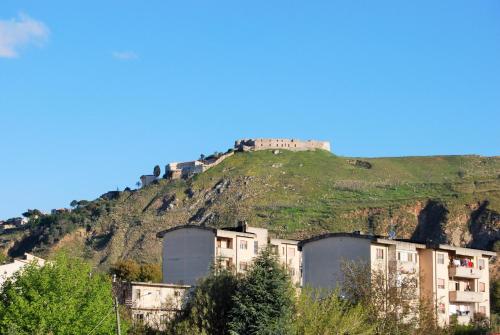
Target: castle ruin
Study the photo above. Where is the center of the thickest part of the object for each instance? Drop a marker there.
(280, 143)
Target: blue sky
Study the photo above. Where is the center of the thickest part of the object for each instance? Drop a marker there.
(94, 94)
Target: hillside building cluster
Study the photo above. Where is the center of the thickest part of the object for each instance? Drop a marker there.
(455, 279)
(178, 170)
(189, 251)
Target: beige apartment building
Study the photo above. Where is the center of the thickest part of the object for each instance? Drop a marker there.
(151, 304)
(190, 251)
(455, 279)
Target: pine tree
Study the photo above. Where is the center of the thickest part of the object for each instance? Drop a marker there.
(264, 299)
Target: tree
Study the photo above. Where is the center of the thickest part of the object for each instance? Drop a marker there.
(126, 270)
(263, 303)
(130, 270)
(208, 306)
(391, 299)
(62, 297)
(150, 272)
(32, 213)
(73, 203)
(325, 313)
(157, 171)
(495, 296)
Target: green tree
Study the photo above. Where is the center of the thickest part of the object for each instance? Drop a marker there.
(208, 306)
(264, 299)
(495, 296)
(325, 313)
(62, 297)
(157, 171)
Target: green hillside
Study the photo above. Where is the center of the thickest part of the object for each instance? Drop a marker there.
(453, 199)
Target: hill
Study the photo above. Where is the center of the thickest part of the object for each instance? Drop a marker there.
(454, 199)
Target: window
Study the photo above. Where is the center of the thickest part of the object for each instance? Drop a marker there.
(243, 266)
(139, 317)
(274, 249)
(440, 258)
(291, 252)
(482, 287)
(482, 309)
(457, 286)
(282, 250)
(480, 263)
(441, 283)
(243, 245)
(137, 294)
(410, 257)
(380, 253)
(255, 247)
(291, 271)
(399, 256)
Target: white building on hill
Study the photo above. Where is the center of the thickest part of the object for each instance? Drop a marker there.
(8, 270)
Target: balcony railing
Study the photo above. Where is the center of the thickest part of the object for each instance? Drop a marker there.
(224, 252)
(466, 296)
(465, 272)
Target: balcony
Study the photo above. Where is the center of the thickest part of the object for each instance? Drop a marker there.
(466, 296)
(465, 272)
(225, 252)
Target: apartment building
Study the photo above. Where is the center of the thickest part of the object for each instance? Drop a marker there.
(455, 279)
(151, 304)
(288, 253)
(190, 251)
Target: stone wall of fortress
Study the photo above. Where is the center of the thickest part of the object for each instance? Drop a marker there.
(280, 143)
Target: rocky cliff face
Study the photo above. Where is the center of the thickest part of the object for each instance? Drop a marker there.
(452, 200)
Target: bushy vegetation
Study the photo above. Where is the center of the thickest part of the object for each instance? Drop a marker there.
(129, 270)
(63, 297)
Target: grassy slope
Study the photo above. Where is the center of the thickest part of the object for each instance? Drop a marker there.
(297, 195)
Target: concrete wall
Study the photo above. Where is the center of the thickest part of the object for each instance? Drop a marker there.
(147, 179)
(188, 254)
(322, 259)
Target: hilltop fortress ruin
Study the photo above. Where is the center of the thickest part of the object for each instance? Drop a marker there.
(280, 143)
(184, 170)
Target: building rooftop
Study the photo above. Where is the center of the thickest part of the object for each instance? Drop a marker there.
(238, 229)
(167, 285)
(386, 240)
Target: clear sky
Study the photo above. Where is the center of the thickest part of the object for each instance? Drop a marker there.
(94, 94)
